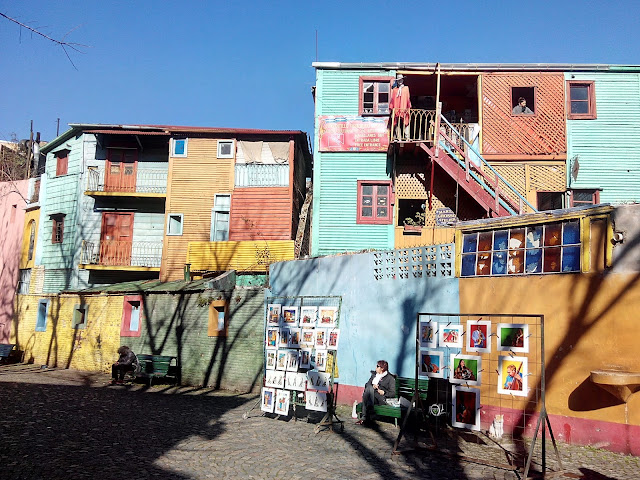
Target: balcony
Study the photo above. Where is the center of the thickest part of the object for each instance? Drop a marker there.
(422, 126)
(119, 255)
(140, 183)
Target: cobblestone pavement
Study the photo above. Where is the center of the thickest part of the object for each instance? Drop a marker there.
(65, 424)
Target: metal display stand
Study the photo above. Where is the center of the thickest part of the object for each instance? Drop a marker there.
(491, 393)
(330, 420)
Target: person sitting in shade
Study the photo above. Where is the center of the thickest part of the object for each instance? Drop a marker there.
(521, 108)
(127, 362)
(381, 385)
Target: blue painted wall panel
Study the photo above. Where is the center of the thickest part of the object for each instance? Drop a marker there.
(377, 319)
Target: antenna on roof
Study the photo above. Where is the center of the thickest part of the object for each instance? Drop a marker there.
(316, 44)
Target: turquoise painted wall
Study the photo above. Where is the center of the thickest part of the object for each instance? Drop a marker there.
(334, 227)
(608, 148)
(378, 317)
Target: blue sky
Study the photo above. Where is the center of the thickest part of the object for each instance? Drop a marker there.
(248, 64)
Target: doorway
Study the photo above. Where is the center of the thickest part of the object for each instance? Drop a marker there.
(116, 239)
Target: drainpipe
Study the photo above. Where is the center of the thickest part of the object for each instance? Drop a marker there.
(187, 272)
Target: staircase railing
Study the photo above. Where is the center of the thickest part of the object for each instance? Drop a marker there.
(451, 145)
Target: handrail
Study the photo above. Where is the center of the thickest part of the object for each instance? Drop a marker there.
(148, 180)
(420, 128)
(485, 163)
(120, 253)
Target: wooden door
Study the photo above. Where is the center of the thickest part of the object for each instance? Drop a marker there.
(116, 239)
(120, 171)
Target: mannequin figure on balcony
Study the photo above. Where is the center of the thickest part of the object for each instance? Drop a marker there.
(400, 104)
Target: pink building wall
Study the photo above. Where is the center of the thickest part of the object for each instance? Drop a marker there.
(12, 203)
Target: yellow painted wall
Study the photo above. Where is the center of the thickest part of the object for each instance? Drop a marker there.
(428, 236)
(254, 256)
(92, 349)
(192, 184)
(591, 323)
(24, 252)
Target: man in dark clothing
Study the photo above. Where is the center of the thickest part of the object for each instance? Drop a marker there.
(126, 363)
(381, 385)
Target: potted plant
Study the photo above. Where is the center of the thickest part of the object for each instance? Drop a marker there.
(414, 224)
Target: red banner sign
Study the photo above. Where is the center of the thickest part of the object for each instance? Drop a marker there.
(353, 134)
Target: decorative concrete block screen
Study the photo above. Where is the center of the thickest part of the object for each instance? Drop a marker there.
(414, 262)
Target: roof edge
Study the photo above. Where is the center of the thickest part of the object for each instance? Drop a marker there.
(480, 67)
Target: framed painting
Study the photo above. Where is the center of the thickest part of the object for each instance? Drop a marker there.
(290, 316)
(268, 397)
(320, 338)
(283, 338)
(431, 364)
(308, 316)
(513, 337)
(318, 381)
(273, 334)
(307, 337)
(321, 360)
(466, 407)
(270, 359)
(305, 358)
(293, 360)
(316, 401)
(478, 336)
(281, 360)
(294, 338)
(274, 378)
(332, 339)
(465, 369)
(282, 402)
(450, 336)
(296, 381)
(328, 317)
(512, 375)
(428, 334)
(273, 314)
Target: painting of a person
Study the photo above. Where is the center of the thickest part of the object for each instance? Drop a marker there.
(381, 385)
(478, 339)
(514, 378)
(427, 366)
(463, 372)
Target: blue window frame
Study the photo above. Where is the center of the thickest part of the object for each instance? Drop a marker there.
(43, 313)
(179, 147)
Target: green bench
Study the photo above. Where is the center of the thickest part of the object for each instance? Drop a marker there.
(155, 366)
(404, 388)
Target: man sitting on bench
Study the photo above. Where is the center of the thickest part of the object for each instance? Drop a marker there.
(126, 363)
(381, 385)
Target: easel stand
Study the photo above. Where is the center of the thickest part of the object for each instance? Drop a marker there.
(330, 418)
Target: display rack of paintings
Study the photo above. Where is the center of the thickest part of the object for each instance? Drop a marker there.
(302, 336)
(483, 369)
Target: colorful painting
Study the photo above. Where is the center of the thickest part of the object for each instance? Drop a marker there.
(273, 314)
(283, 338)
(328, 317)
(272, 337)
(431, 364)
(268, 396)
(282, 402)
(428, 335)
(308, 316)
(321, 338)
(513, 375)
(270, 361)
(294, 338)
(307, 337)
(290, 316)
(466, 407)
(513, 337)
(305, 358)
(281, 360)
(465, 369)
(321, 360)
(479, 336)
(332, 339)
(450, 336)
(293, 360)
(316, 401)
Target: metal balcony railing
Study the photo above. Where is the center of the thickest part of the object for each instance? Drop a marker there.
(146, 181)
(122, 254)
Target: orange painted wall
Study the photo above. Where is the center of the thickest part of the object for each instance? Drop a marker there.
(590, 323)
(261, 213)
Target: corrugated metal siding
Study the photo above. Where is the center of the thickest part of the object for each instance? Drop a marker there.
(334, 227)
(608, 148)
(260, 213)
(193, 183)
(148, 227)
(248, 256)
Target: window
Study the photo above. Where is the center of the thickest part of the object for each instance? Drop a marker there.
(43, 312)
(220, 218)
(218, 318)
(131, 316)
(584, 197)
(226, 149)
(581, 100)
(24, 280)
(32, 239)
(549, 248)
(80, 313)
(62, 162)
(374, 95)
(174, 224)
(179, 147)
(550, 200)
(529, 96)
(411, 208)
(57, 234)
(375, 200)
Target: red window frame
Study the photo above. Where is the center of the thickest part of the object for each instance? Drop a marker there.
(376, 81)
(591, 100)
(595, 196)
(375, 220)
(127, 308)
(62, 162)
(57, 232)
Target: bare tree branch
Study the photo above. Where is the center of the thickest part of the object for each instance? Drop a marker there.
(62, 43)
